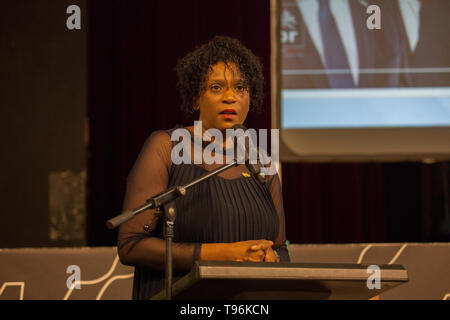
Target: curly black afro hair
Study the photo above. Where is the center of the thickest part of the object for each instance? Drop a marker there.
(193, 69)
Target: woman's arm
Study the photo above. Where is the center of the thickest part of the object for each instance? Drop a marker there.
(274, 184)
(149, 176)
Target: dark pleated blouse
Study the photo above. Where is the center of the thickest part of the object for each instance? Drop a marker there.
(217, 210)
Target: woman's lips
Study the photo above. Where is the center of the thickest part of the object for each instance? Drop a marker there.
(228, 113)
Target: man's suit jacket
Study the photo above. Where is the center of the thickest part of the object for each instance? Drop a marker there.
(433, 47)
(385, 48)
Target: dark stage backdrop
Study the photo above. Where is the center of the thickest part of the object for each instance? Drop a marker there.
(133, 47)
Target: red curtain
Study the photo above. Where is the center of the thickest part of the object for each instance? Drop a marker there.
(334, 203)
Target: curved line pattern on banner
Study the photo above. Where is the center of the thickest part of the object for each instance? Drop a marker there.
(111, 280)
(100, 279)
(13, 284)
(398, 253)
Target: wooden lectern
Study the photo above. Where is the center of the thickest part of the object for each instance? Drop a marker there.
(219, 280)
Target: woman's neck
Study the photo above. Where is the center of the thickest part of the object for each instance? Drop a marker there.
(227, 141)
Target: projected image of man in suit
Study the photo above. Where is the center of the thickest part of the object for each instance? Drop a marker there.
(327, 44)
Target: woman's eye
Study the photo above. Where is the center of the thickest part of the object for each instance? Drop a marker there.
(241, 89)
(215, 87)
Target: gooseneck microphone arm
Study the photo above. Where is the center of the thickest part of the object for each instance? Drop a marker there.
(249, 148)
(164, 203)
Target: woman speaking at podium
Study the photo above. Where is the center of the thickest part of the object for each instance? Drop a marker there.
(231, 216)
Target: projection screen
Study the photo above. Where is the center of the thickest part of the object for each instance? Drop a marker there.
(361, 80)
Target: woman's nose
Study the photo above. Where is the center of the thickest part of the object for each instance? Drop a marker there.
(229, 96)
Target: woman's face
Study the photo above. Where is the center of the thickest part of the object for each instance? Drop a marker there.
(225, 99)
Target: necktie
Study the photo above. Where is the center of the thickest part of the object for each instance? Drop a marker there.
(334, 52)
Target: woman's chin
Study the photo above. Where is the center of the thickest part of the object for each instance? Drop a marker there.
(222, 125)
(227, 124)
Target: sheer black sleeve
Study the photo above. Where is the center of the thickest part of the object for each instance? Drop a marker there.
(274, 185)
(137, 245)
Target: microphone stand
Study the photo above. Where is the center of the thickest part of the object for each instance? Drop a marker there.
(164, 203)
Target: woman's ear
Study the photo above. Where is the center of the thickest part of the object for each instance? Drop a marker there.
(196, 104)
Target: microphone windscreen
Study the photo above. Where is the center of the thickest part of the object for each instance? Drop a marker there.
(239, 126)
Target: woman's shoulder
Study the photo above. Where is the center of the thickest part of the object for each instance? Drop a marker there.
(158, 136)
(164, 134)
(161, 140)
(158, 141)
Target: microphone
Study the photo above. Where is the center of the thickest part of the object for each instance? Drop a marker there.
(249, 148)
(127, 215)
